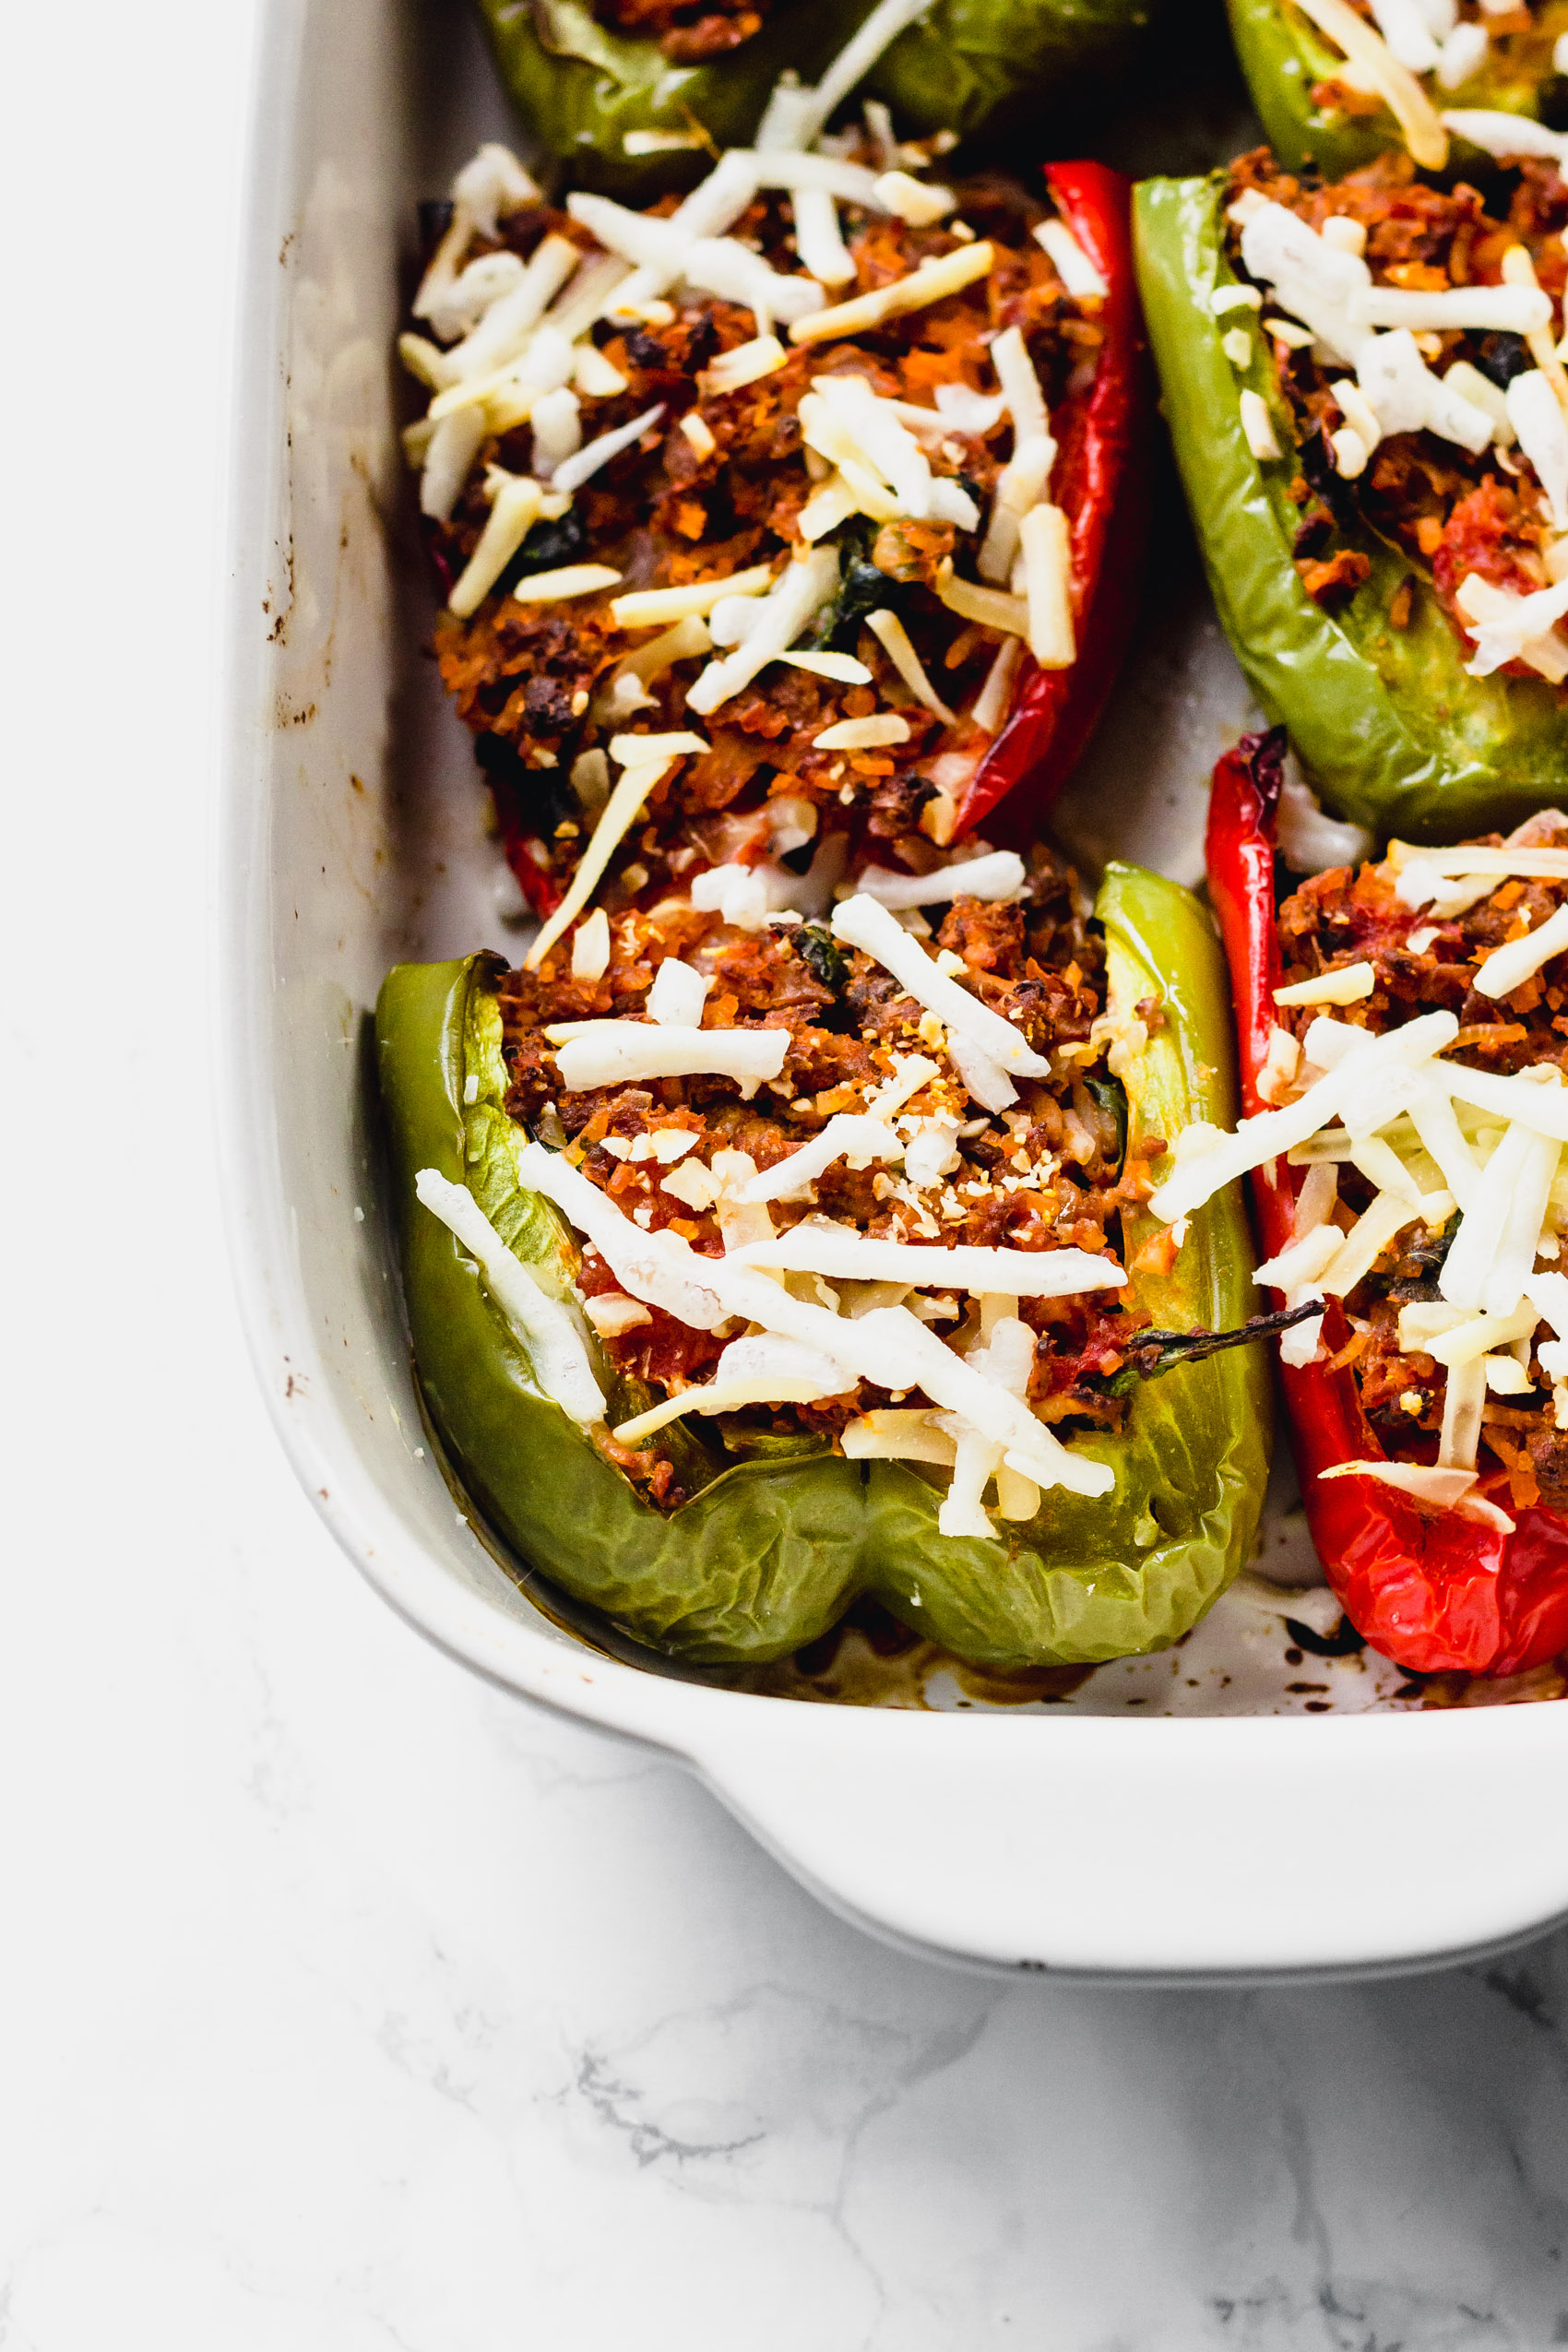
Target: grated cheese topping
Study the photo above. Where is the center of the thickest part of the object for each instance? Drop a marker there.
(930, 282)
(861, 922)
(1392, 1105)
(553, 1344)
(609, 1053)
(817, 1246)
(1395, 84)
(998, 877)
(887, 1347)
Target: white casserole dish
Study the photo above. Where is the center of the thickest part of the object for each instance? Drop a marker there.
(1227, 1834)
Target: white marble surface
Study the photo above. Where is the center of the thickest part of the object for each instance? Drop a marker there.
(349, 2007)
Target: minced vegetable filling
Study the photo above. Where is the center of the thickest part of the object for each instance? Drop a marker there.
(1461, 499)
(1047, 1173)
(1422, 961)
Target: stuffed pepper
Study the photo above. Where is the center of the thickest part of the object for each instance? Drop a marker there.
(633, 92)
(1370, 417)
(761, 1256)
(1337, 81)
(1404, 1026)
(882, 438)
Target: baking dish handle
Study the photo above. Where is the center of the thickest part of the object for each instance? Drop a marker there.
(1054, 1845)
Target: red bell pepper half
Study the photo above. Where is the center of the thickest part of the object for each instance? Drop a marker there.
(1101, 481)
(1435, 1591)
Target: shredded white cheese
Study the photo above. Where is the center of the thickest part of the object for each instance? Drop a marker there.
(1510, 966)
(746, 364)
(761, 1371)
(570, 580)
(1000, 875)
(989, 606)
(608, 1053)
(931, 282)
(1425, 1483)
(590, 947)
(1349, 985)
(1394, 83)
(894, 639)
(550, 1338)
(1258, 426)
(856, 1138)
(1072, 266)
(653, 608)
(575, 470)
(621, 812)
(1504, 134)
(678, 994)
(515, 508)
(888, 1346)
(1536, 415)
(1508, 310)
(815, 1246)
(861, 923)
(880, 728)
(1045, 543)
(796, 596)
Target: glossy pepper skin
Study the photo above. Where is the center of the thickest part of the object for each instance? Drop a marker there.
(1390, 730)
(1433, 1590)
(768, 1553)
(968, 65)
(1101, 481)
(1283, 55)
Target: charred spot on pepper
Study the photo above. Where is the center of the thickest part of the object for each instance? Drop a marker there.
(1323, 477)
(1312, 533)
(1110, 1095)
(1150, 1353)
(1420, 1264)
(534, 800)
(822, 955)
(678, 350)
(1501, 356)
(547, 546)
(433, 215)
(862, 590)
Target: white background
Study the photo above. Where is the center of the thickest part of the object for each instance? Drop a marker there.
(345, 2006)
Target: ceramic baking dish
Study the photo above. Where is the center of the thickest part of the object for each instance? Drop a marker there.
(1195, 1816)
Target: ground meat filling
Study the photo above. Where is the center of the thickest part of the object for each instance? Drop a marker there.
(1423, 964)
(718, 487)
(1448, 512)
(1048, 1173)
(688, 31)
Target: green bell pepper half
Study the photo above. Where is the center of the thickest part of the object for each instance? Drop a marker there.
(965, 65)
(768, 1551)
(1386, 722)
(1284, 55)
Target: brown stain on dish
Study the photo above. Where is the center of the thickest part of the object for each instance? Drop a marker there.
(871, 1660)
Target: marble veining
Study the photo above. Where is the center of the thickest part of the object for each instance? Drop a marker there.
(356, 2005)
